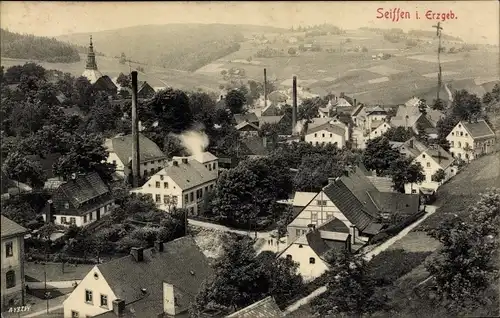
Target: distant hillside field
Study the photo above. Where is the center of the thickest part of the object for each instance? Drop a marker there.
(23, 46)
(176, 46)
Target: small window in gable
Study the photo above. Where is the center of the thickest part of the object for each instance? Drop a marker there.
(423, 156)
(289, 257)
(66, 205)
(312, 260)
(300, 246)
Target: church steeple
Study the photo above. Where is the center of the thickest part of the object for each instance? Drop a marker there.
(91, 63)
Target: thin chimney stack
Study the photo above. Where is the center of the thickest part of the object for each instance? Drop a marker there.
(265, 88)
(294, 109)
(135, 134)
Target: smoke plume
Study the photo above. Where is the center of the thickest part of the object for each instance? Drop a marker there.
(195, 142)
(299, 127)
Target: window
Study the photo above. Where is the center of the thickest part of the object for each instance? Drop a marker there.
(157, 198)
(74, 314)
(211, 186)
(331, 135)
(63, 220)
(459, 144)
(191, 211)
(461, 133)
(174, 199)
(466, 135)
(300, 246)
(215, 165)
(186, 197)
(91, 216)
(297, 232)
(329, 215)
(453, 134)
(423, 156)
(152, 170)
(166, 199)
(321, 202)
(88, 296)
(452, 144)
(104, 301)
(451, 170)
(413, 191)
(323, 135)
(73, 220)
(10, 279)
(314, 217)
(315, 135)
(428, 165)
(114, 162)
(312, 260)
(289, 257)
(161, 177)
(66, 205)
(466, 144)
(84, 219)
(191, 196)
(157, 184)
(165, 185)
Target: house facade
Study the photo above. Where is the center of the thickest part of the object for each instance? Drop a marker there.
(184, 183)
(80, 201)
(470, 140)
(328, 133)
(119, 148)
(12, 282)
(164, 281)
(246, 129)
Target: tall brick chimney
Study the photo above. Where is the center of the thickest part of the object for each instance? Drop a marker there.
(265, 88)
(294, 109)
(135, 134)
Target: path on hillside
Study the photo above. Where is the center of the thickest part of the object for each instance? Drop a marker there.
(208, 225)
(450, 95)
(368, 256)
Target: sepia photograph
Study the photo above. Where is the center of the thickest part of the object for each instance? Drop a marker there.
(237, 159)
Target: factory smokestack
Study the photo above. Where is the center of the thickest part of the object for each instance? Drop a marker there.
(294, 109)
(265, 88)
(135, 134)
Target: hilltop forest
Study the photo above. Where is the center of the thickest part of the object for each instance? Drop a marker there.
(30, 47)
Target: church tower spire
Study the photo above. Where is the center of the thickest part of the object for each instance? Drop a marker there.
(91, 63)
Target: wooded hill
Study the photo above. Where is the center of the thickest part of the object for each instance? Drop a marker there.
(27, 46)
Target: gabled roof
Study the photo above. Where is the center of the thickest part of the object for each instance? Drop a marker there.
(303, 198)
(441, 156)
(356, 110)
(400, 203)
(412, 147)
(342, 102)
(204, 157)
(332, 128)
(375, 109)
(187, 175)
(479, 129)
(106, 83)
(80, 195)
(413, 102)
(353, 197)
(248, 117)
(383, 184)
(245, 124)
(269, 120)
(181, 264)
(11, 228)
(122, 146)
(265, 308)
(253, 146)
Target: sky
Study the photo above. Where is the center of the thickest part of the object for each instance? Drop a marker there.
(476, 21)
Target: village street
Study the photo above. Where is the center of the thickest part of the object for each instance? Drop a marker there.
(207, 225)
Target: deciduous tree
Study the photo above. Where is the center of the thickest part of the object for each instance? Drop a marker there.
(379, 155)
(403, 170)
(235, 100)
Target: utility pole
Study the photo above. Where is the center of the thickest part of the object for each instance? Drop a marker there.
(438, 33)
(265, 88)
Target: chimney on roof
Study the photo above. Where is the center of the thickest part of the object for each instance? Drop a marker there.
(355, 103)
(294, 105)
(118, 307)
(159, 246)
(264, 141)
(137, 253)
(331, 180)
(411, 143)
(135, 134)
(265, 88)
(184, 161)
(175, 163)
(170, 305)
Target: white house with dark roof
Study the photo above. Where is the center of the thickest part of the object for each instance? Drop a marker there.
(12, 281)
(154, 282)
(432, 159)
(331, 132)
(246, 129)
(119, 148)
(409, 116)
(311, 248)
(469, 140)
(81, 200)
(182, 183)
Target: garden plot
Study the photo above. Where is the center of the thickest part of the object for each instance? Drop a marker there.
(211, 68)
(383, 70)
(433, 58)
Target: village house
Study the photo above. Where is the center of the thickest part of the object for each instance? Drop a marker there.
(246, 129)
(80, 201)
(144, 91)
(361, 136)
(368, 118)
(248, 117)
(182, 183)
(468, 140)
(310, 250)
(266, 307)
(154, 282)
(13, 283)
(151, 158)
(354, 200)
(432, 159)
(271, 120)
(410, 116)
(331, 132)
